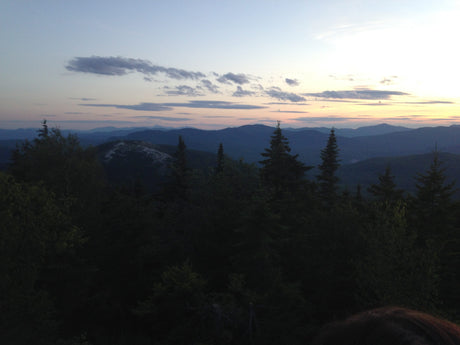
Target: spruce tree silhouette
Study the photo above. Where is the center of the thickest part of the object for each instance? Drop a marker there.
(327, 177)
(281, 171)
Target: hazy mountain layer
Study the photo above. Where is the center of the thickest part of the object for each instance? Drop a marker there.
(412, 146)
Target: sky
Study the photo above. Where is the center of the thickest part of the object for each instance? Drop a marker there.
(216, 64)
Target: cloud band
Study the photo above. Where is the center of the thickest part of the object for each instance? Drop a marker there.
(119, 66)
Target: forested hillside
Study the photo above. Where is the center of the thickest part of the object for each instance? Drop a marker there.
(235, 254)
(355, 145)
(404, 169)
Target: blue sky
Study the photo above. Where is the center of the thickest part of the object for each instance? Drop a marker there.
(214, 64)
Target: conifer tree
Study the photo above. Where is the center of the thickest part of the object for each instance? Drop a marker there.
(281, 171)
(433, 193)
(432, 204)
(385, 189)
(180, 170)
(433, 219)
(220, 160)
(359, 197)
(181, 161)
(43, 132)
(327, 177)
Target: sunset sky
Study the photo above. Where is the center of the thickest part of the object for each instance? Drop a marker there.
(214, 64)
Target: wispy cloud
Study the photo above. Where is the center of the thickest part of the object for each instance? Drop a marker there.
(254, 119)
(95, 122)
(291, 82)
(378, 104)
(169, 106)
(290, 111)
(234, 78)
(214, 105)
(276, 92)
(329, 100)
(430, 102)
(348, 29)
(119, 66)
(325, 118)
(418, 117)
(388, 80)
(83, 99)
(140, 106)
(358, 94)
(286, 103)
(164, 118)
(183, 90)
(208, 85)
(219, 117)
(348, 77)
(242, 93)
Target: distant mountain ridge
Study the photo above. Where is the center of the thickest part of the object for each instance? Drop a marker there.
(248, 142)
(146, 154)
(103, 133)
(382, 128)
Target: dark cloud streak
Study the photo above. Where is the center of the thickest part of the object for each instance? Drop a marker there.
(164, 118)
(140, 106)
(83, 99)
(375, 104)
(276, 92)
(208, 85)
(290, 111)
(291, 82)
(242, 93)
(119, 66)
(430, 102)
(214, 105)
(357, 94)
(169, 106)
(285, 103)
(235, 78)
(324, 118)
(183, 90)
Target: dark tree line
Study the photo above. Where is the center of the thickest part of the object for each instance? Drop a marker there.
(239, 254)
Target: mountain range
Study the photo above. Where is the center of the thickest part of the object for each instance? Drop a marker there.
(364, 152)
(102, 133)
(247, 142)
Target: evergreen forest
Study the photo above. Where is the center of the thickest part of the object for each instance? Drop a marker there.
(237, 254)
